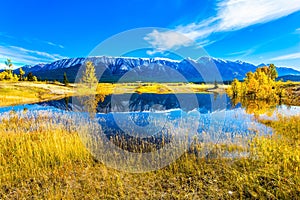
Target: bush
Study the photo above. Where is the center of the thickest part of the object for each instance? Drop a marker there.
(260, 85)
(8, 76)
(31, 77)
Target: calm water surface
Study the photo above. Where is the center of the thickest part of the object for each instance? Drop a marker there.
(147, 114)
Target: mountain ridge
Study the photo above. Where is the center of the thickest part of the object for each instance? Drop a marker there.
(114, 68)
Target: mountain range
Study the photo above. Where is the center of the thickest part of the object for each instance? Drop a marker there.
(126, 69)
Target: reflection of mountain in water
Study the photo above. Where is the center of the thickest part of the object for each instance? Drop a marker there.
(63, 104)
(152, 102)
(119, 117)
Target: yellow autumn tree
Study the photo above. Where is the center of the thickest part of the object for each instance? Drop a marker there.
(89, 78)
(235, 89)
(260, 86)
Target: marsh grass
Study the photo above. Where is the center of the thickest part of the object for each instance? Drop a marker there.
(43, 158)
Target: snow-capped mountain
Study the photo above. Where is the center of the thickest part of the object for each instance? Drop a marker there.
(33, 68)
(128, 69)
(64, 63)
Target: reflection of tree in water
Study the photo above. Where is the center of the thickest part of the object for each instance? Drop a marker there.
(259, 93)
(89, 103)
(137, 102)
(67, 99)
(256, 107)
(216, 96)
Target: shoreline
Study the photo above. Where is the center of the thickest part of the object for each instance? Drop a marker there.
(18, 93)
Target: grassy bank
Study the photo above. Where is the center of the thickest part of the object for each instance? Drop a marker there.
(45, 160)
(292, 93)
(13, 93)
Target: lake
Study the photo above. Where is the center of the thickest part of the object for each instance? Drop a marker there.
(144, 132)
(211, 115)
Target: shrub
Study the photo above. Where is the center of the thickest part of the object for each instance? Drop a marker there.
(260, 85)
(8, 76)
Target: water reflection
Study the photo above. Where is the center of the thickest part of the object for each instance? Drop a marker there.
(153, 102)
(150, 119)
(256, 107)
(117, 114)
(89, 103)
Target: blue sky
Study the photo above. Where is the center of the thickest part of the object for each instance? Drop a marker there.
(257, 31)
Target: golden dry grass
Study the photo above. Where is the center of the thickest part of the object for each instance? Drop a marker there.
(13, 93)
(43, 159)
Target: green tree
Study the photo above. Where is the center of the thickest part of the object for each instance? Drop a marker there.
(31, 77)
(216, 84)
(9, 64)
(22, 72)
(89, 78)
(8, 75)
(66, 81)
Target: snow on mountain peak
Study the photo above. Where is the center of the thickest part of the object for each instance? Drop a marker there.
(118, 66)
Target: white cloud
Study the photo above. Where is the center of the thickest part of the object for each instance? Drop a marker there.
(162, 41)
(151, 53)
(44, 55)
(55, 45)
(195, 31)
(238, 53)
(237, 14)
(2, 66)
(288, 56)
(22, 56)
(230, 15)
